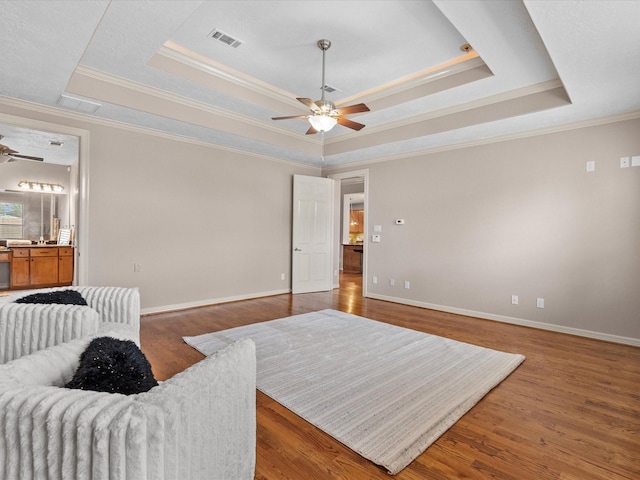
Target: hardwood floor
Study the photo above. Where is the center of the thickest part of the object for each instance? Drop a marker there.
(571, 411)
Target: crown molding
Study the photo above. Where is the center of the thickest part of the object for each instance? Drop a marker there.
(37, 108)
(444, 112)
(634, 115)
(452, 68)
(93, 83)
(140, 88)
(243, 85)
(185, 57)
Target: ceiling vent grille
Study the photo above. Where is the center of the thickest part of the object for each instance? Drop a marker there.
(77, 104)
(225, 38)
(329, 88)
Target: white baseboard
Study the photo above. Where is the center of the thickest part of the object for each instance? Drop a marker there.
(513, 320)
(211, 301)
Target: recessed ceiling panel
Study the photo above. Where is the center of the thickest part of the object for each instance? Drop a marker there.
(371, 46)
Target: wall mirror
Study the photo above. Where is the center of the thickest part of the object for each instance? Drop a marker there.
(36, 169)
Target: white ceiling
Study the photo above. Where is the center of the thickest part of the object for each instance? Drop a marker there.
(536, 65)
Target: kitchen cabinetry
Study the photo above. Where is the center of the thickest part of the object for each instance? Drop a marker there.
(41, 266)
(352, 258)
(356, 221)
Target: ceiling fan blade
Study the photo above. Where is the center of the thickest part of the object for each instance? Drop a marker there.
(360, 107)
(291, 116)
(311, 131)
(345, 122)
(27, 157)
(309, 103)
(4, 150)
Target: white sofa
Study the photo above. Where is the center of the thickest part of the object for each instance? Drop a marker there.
(26, 328)
(198, 425)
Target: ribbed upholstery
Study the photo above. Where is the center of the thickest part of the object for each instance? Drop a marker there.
(114, 304)
(198, 425)
(26, 328)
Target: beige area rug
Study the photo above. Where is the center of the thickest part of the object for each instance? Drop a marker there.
(384, 391)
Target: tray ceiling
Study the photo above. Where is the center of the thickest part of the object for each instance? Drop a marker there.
(534, 65)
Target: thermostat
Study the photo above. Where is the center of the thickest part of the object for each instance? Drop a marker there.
(399, 221)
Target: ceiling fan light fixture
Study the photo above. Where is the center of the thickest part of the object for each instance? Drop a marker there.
(324, 114)
(322, 123)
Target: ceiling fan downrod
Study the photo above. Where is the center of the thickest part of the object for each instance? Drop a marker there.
(323, 45)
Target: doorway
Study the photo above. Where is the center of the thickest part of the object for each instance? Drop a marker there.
(354, 186)
(21, 134)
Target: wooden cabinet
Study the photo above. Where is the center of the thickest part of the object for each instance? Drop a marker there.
(20, 267)
(356, 221)
(41, 266)
(352, 258)
(65, 265)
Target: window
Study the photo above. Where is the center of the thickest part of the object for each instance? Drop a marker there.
(10, 220)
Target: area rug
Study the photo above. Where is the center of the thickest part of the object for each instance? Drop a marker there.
(384, 391)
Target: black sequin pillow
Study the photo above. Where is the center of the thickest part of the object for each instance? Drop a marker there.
(67, 297)
(115, 366)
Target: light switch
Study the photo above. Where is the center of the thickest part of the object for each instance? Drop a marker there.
(375, 238)
(377, 228)
(635, 161)
(591, 166)
(624, 162)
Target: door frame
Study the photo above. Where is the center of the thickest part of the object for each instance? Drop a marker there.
(79, 194)
(364, 173)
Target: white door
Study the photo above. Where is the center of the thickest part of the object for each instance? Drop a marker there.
(312, 256)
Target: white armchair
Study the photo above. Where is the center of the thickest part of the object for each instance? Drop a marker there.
(26, 328)
(198, 425)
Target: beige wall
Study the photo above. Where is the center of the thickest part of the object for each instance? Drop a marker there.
(519, 217)
(204, 224)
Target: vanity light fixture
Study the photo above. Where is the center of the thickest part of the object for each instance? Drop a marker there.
(40, 187)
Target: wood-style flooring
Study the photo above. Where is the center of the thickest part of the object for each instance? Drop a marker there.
(571, 411)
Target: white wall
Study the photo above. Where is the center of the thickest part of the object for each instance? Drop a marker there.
(520, 217)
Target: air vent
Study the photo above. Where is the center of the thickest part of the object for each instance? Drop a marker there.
(77, 104)
(225, 38)
(329, 88)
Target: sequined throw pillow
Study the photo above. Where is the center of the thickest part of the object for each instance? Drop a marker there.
(112, 365)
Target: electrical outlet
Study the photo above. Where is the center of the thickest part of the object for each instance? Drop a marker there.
(406, 284)
(540, 302)
(283, 276)
(136, 267)
(374, 280)
(392, 282)
(514, 299)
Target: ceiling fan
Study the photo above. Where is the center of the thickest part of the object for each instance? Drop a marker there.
(9, 155)
(324, 114)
